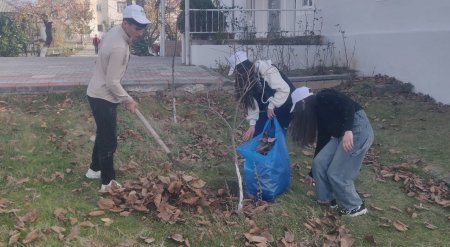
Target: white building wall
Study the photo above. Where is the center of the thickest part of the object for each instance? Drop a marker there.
(406, 39)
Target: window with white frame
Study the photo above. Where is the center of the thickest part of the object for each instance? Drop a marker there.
(121, 6)
(306, 3)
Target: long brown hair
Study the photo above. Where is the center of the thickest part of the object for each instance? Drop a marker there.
(303, 127)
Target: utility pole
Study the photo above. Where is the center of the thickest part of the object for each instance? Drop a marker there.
(162, 32)
(187, 33)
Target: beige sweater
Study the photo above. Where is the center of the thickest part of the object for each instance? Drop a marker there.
(110, 67)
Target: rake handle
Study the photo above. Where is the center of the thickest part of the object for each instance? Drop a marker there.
(153, 132)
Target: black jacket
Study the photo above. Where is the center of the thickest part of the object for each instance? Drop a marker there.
(335, 115)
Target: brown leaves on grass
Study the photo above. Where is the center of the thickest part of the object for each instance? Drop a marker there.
(129, 133)
(52, 178)
(205, 146)
(400, 226)
(4, 204)
(30, 217)
(423, 190)
(12, 181)
(330, 229)
(165, 193)
(130, 166)
(32, 236)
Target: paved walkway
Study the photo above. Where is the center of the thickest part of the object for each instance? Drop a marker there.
(56, 74)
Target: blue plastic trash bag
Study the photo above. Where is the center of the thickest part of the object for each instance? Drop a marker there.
(266, 176)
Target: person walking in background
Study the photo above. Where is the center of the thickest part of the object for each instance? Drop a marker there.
(263, 90)
(105, 92)
(344, 135)
(96, 43)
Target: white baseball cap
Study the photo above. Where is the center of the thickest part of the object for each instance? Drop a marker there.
(136, 13)
(300, 93)
(236, 59)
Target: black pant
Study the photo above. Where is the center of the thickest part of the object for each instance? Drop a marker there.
(105, 115)
(283, 115)
(96, 49)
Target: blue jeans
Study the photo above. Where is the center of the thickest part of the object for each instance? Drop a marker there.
(335, 170)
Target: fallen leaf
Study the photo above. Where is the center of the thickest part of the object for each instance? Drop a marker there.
(105, 203)
(430, 226)
(73, 221)
(127, 243)
(31, 236)
(148, 240)
(384, 225)
(87, 224)
(60, 213)
(307, 153)
(14, 237)
(255, 239)
(30, 216)
(131, 165)
(198, 184)
(394, 151)
(58, 229)
(371, 239)
(366, 195)
(376, 208)
(396, 209)
(177, 237)
(347, 240)
(400, 226)
(74, 233)
(125, 213)
(107, 221)
(96, 213)
(289, 237)
(3, 202)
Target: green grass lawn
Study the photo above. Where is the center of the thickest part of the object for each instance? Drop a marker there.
(45, 150)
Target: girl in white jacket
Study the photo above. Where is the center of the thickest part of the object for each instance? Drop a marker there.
(263, 90)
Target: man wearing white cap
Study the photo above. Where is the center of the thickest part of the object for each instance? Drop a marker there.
(105, 92)
(263, 90)
(343, 134)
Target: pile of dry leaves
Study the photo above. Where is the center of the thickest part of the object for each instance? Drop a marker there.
(415, 186)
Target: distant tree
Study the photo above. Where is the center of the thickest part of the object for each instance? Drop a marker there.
(172, 12)
(79, 17)
(13, 38)
(51, 12)
(142, 46)
(202, 21)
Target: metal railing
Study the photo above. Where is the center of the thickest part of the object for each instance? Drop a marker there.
(293, 21)
(239, 23)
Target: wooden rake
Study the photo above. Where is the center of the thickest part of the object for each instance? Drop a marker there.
(155, 135)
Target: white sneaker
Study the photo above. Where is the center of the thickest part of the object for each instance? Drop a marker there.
(93, 174)
(113, 184)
